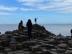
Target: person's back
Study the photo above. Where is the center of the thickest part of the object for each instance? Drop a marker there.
(29, 27)
(21, 22)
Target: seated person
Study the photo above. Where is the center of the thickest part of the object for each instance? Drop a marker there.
(20, 26)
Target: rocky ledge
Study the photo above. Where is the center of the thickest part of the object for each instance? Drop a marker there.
(43, 42)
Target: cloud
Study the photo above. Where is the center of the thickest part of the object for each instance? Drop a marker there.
(34, 2)
(26, 9)
(4, 13)
(49, 5)
(2, 7)
(14, 8)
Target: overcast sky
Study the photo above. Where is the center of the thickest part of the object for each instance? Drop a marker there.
(47, 11)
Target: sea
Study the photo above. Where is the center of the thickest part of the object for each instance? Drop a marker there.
(57, 29)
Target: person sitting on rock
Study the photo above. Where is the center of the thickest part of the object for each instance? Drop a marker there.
(21, 27)
(29, 27)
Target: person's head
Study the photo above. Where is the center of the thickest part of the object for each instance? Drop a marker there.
(21, 22)
(29, 20)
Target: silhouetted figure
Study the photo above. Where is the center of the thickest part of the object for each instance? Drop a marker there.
(21, 27)
(71, 32)
(0, 32)
(35, 20)
(29, 27)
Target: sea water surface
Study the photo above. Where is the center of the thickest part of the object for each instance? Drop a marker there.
(64, 29)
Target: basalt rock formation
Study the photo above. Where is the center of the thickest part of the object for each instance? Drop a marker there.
(43, 42)
(41, 28)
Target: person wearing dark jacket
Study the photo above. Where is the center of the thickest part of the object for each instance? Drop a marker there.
(20, 26)
(29, 27)
(71, 32)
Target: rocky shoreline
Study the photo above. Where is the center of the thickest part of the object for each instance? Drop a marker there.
(43, 42)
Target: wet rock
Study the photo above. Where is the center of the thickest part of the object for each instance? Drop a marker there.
(41, 28)
(32, 43)
(42, 42)
(68, 52)
(62, 46)
(16, 31)
(1, 48)
(51, 41)
(19, 46)
(53, 50)
(22, 38)
(47, 46)
(59, 50)
(34, 35)
(36, 48)
(15, 34)
(46, 51)
(8, 32)
(69, 48)
(38, 52)
(38, 27)
(5, 43)
(0, 42)
(70, 43)
(25, 45)
(13, 45)
(7, 50)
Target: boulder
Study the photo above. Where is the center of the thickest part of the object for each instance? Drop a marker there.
(47, 46)
(1, 48)
(64, 46)
(19, 46)
(41, 28)
(53, 49)
(8, 32)
(38, 52)
(46, 51)
(36, 48)
(7, 50)
(68, 52)
(25, 45)
(70, 43)
(22, 38)
(13, 45)
(59, 50)
(32, 43)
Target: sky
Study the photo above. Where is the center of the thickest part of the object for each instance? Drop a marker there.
(47, 11)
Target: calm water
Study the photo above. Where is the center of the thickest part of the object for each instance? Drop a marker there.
(54, 28)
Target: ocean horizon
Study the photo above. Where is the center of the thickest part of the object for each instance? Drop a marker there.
(57, 29)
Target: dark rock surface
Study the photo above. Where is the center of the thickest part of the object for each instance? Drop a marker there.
(43, 42)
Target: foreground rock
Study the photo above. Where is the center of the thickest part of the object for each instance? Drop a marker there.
(43, 42)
